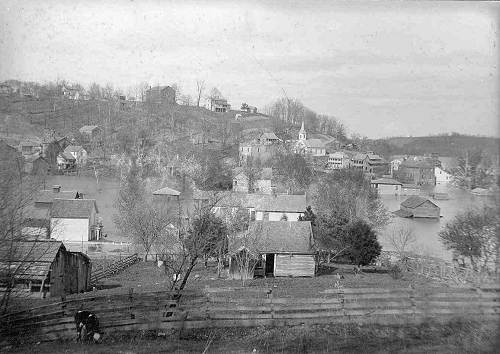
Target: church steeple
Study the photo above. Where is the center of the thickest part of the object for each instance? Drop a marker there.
(302, 132)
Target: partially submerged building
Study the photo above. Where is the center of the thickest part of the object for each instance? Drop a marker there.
(418, 207)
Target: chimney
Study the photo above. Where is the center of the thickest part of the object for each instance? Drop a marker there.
(56, 188)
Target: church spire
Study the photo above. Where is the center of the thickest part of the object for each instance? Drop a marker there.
(302, 132)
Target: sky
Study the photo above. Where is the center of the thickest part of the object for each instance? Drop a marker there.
(382, 68)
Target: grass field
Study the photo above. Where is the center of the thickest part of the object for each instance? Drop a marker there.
(456, 337)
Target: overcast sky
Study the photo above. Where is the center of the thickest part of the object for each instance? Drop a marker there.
(384, 69)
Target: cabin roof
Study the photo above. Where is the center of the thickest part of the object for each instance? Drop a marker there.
(415, 201)
(30, 259)
(390, 181)
(167, 191)
(48, 196)
(275, 237)
(72, 208)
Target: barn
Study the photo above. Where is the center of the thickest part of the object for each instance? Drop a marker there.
(44, 267)
(276, 249)
(419, 207)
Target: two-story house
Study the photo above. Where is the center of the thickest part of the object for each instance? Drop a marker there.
(338, 160)
(260, 182)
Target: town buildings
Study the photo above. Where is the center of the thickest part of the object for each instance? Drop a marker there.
(309, 147)
(218, 104)
(259, 182)
(160, 95)
(441, 176)
(339, 160)
(387, 186)
(419, 172)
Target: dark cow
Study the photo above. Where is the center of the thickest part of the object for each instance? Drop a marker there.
(87, 326)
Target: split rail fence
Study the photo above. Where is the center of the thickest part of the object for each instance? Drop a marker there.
(160, 311)
(113, 268)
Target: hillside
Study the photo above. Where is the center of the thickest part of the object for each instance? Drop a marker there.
(445, 145)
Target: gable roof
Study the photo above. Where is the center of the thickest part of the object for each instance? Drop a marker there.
(31, 259)
(48, 196)
(278, 202)
(88, 129)
(417, 164)
(415, 201)
(167, 191)
(67, 155)
(74, 148)
(315, 143)
(265, 173)
(72, 208)
(385, 181)
(338, 155)
(275, 237)
(269, 136)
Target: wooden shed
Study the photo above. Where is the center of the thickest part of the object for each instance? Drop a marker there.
(44, 267)
(279, 248)
(419, 207)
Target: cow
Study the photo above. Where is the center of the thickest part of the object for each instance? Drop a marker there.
(87, 326)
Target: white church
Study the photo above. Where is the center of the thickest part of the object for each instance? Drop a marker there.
(311, 147)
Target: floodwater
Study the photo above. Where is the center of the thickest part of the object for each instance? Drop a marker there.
(426, 230)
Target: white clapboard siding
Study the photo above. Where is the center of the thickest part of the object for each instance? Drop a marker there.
(297, 265)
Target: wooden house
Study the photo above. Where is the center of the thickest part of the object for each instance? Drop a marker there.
(277, 248)
(78, 152)
(410, 189)
(160, 95)
(419, 172)
(262, 181)
(36, 165)
(90, 132)
(419, 207)
(44, 267)
(75, 220)
(386, 186)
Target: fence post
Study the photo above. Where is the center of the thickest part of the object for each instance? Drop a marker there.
(131, 300)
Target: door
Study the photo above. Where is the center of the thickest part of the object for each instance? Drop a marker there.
(269, 264)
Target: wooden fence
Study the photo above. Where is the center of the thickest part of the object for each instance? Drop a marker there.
(113, 268)
(161, 311)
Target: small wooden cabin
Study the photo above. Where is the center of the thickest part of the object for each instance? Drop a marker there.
(419, 207)
(44, 267)
(278, 248)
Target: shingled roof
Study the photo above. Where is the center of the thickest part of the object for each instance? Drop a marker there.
(48, 196)
(414, 202)
(30, 260)
(167, 191)
(73, 208)
(390, 181)
(275, 237)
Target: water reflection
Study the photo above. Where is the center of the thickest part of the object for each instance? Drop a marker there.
(426, 230)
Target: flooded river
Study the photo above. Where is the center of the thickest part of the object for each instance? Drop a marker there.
(426, 230)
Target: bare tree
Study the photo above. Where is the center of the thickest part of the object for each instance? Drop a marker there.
(200, 87)
(16, 199)
(402, 237)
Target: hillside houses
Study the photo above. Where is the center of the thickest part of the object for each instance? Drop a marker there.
(160, 95)
(90, 132)
(218, 105)
(339, 160)
(259, 182)
(309, 147)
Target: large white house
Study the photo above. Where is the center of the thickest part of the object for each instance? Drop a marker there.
(442, 177)
(74, 220)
